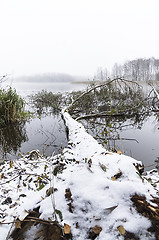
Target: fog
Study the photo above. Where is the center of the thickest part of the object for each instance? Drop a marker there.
(75, 36)
(51, 77)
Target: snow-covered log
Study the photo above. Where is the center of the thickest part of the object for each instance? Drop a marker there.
(90, 192)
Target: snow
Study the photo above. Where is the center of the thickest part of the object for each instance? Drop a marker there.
(88, 171)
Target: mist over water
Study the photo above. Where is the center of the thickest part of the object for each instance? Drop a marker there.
(27, 85)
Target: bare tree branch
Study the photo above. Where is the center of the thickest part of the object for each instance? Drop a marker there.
(3, 78)
(101, 85)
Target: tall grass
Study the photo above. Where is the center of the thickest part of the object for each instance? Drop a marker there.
(11, 106)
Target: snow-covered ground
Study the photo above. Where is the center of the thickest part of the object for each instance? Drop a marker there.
(92, 189)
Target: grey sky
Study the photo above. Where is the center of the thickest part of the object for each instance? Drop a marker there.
(75, 36)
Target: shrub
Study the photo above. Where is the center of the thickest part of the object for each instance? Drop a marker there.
(11, 106)
(47, 100)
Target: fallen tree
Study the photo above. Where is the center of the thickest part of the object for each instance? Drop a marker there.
(117, 97)
(86, 192)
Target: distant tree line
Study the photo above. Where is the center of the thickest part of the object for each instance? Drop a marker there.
(137, 70)
(51, 77)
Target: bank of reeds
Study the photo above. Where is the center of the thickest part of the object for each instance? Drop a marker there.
(11, 106)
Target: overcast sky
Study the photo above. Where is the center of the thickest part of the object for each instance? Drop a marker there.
(75, 36)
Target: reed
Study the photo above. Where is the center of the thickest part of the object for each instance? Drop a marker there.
(11, 106)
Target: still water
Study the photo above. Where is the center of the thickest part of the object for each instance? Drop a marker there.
(146, 146)
(47, 134)
(138, 141)
(28, 88)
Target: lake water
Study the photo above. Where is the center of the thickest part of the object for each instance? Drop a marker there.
(48, 133)
(28, 88)
(146, 148)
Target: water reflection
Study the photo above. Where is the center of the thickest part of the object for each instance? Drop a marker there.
(11, 138)
(137, 138)
(47, 134)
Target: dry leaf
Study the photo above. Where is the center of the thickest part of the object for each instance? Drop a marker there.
(110, 209)
(50, 191)
(23, 215)
(103, 167)
(2, 175)
(119, 152)
(11, 164)
(90, 163)
(121, 229)
(116, 176)
(153, 209)
(97, 230)
(18, 224)
(2, 221)
(95, 218)
(67, 229)
(139, 167)
(13, 205)
(68, 194)
(113, 178)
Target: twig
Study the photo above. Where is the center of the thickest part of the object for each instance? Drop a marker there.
(30, 219)
(21, 174)
(115, 139)
(155, 91)
(2, 78)
(52, 193)
(8, 235)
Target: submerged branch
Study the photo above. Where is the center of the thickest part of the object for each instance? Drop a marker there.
(118, 139)
(101, 114)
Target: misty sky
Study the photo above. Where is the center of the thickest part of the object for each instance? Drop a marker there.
(75, 36)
